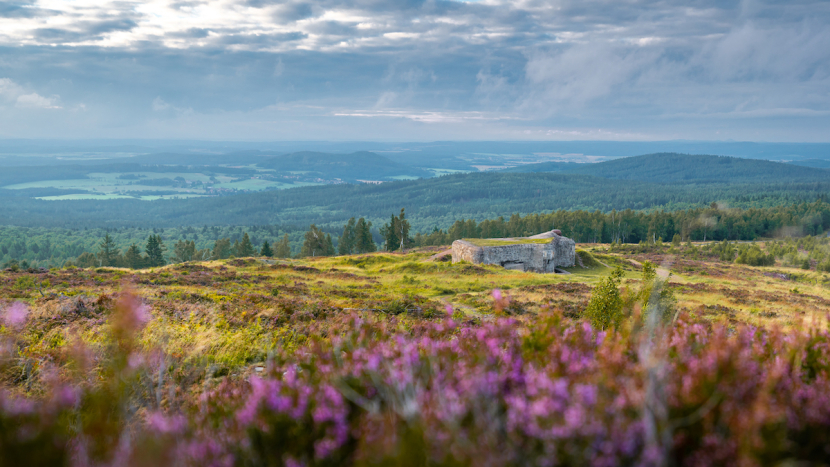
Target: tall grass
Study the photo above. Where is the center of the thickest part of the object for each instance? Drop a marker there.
(366, 390)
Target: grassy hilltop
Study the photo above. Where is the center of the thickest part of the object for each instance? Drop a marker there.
(386, 358)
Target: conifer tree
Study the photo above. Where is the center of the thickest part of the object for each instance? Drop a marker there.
(108, 254)
(245, 248)
(389, 232)
(346, 244)
(605, 308)
(155, 251)
(396, 232)
(266, 250)
(364, 243)
(329, 246)
(283, 249)
(133, 257)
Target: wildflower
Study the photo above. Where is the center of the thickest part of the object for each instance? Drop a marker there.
(15, 316)
(160, 423)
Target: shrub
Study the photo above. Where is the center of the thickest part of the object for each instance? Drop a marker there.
(605, 309)
(753, 256)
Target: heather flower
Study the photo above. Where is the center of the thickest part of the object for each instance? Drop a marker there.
(160, 423)
(15, 316)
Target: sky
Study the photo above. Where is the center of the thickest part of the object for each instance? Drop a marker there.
(409, 70)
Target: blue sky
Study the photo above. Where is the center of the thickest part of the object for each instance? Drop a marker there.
(413, 70)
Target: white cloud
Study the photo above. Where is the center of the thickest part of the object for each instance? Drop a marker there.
(159, 105)
(9, 90)
(13, 93)
(35, 100)
(624, 67)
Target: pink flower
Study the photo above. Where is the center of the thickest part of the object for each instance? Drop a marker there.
(135, 360)
(497, 295)
(15, 316)
(160, 423)
(142, 314)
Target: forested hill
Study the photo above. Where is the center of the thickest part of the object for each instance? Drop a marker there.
(685, 168)
(361, 165)
(430, 202)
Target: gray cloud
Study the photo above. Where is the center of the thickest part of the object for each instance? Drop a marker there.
(658, 68)
(23, 10)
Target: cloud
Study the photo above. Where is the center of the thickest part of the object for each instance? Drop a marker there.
(159, 105)
(22, 10)
(703, 69)
(35, 100)
(13, 93)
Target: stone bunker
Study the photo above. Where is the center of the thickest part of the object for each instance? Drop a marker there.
(540, 253)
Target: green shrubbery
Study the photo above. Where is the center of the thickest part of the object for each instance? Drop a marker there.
(753, 256)
(609, 306)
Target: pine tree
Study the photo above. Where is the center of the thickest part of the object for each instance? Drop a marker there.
(605, 308)
(329, 246)
(155, 251)
(389, 232)
(364, 243)
(133, 257)
(396, 232)
(266, 250)
(108, 254)
(346, 244)
(245, 249)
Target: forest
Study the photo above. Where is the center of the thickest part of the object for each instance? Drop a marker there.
(47, 247)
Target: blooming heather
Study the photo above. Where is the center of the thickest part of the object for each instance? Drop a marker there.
(556, 392)
(15, 315)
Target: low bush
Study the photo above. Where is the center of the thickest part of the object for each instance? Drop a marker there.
(753, 256)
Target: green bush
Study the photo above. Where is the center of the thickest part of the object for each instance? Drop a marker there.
(753, 256)
(605, 309)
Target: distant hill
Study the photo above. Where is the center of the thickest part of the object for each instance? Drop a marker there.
(685, 168)
(818, 163)
(436, 201)
(361, 165)
(546, 167)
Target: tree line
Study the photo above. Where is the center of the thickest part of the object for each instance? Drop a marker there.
(715, 222)
(183, 251)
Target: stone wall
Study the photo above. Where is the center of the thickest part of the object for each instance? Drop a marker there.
(537, 257)
(565, 252)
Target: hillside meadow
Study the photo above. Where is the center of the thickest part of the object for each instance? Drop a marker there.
(408, 359)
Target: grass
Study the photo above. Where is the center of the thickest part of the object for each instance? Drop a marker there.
(502, 242)
(233, 306)
(215, 324)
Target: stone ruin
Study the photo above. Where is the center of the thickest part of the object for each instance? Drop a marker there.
(537, 257)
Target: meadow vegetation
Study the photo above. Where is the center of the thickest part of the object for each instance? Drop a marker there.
(646, 354)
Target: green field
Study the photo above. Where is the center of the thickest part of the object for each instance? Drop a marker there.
(108, 186)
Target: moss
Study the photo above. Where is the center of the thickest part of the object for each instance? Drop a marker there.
(502, 242)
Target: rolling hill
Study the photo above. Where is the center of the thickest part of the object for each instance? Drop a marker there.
(362, 165)
(685, 168)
